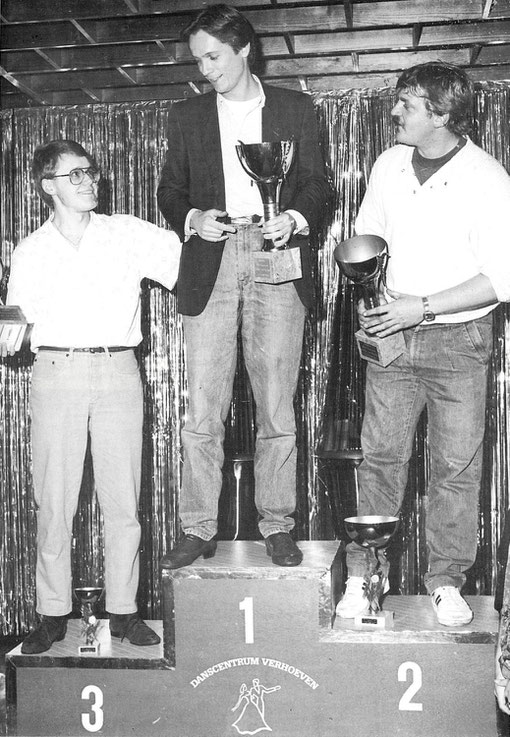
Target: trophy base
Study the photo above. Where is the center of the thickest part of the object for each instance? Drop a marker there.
(89, 649)
(13, 327)
(377, 621)
(276, 267)
(382, 351)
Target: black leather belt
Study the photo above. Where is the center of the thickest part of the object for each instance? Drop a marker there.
(95, 349)
(243, 220)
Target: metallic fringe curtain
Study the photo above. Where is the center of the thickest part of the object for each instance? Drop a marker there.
(129, 142)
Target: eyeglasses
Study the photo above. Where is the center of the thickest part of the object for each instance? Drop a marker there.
(76, 176)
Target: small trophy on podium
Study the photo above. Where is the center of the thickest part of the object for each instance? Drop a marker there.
(268, 164)
(88, 596)
(373, 532)
(362, 259)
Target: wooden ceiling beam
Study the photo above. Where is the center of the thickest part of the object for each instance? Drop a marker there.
(417, 31)
(34, 10)
(353, 41)
(494, 55)
(466, 33)
(21, 86)
(405, 59)
(40, 35)
(348, 13)
(404, 12)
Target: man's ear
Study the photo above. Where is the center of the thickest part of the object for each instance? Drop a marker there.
(441, 121)
(48, 186)
(245, 50)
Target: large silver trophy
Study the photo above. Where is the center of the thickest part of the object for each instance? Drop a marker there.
(362, 259)
(373, 532)
(88, 596)
(268, 164)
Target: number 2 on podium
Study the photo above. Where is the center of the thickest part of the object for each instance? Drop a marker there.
(406, 702)
(246, 606)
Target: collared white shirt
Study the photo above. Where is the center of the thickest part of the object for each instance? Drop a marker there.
(89, 294)
(444, 232)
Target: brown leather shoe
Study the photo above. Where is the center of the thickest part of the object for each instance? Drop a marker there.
(48, 631)
(283, 550)
(187, 550)
(133, 628)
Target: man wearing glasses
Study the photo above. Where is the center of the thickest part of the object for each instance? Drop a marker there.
(77, 279)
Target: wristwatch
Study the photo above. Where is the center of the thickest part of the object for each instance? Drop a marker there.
(428, 315)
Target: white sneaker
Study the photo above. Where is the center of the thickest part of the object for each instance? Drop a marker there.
(450, 608)
(354, 600)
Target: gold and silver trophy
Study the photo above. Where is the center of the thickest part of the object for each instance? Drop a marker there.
(362, 259)
(373, 532)
(88, 596)
(268, 164)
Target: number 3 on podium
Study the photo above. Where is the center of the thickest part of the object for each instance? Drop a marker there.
(95, 722)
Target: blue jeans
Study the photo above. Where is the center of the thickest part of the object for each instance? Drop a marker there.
(72, 395)
(444, 368)
(272, 324)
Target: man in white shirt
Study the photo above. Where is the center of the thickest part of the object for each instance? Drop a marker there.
(443, 206)
(77, 279)
(203, 184)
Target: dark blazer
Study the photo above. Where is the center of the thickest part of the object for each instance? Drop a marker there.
(193, 177)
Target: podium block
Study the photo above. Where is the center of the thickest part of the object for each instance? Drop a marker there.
(241, 592)
(250, 648)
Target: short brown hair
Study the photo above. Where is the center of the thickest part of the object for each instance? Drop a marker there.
(447, 89)
(45, 162)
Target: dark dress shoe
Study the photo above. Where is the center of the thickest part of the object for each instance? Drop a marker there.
(49, 630)
(187, 550)
(283, 550)
(133, 628)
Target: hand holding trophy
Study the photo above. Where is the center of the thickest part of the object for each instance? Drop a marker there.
(267, 164)
(362, 259)
(13, 325)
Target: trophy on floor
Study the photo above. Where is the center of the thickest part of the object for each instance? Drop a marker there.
(362, 259)
(88, 596)
(268, 164)
(373, 532)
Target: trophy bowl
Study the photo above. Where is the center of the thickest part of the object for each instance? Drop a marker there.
(88, 594)
(268, 161)
(371, 531)
(359, 258)
(363, 260)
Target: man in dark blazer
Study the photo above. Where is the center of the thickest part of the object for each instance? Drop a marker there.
(216, 209)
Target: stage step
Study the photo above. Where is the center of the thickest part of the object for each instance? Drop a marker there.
(250, 649)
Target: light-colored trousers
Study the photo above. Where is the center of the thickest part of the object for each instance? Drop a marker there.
(74, 394)
(272, 322)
